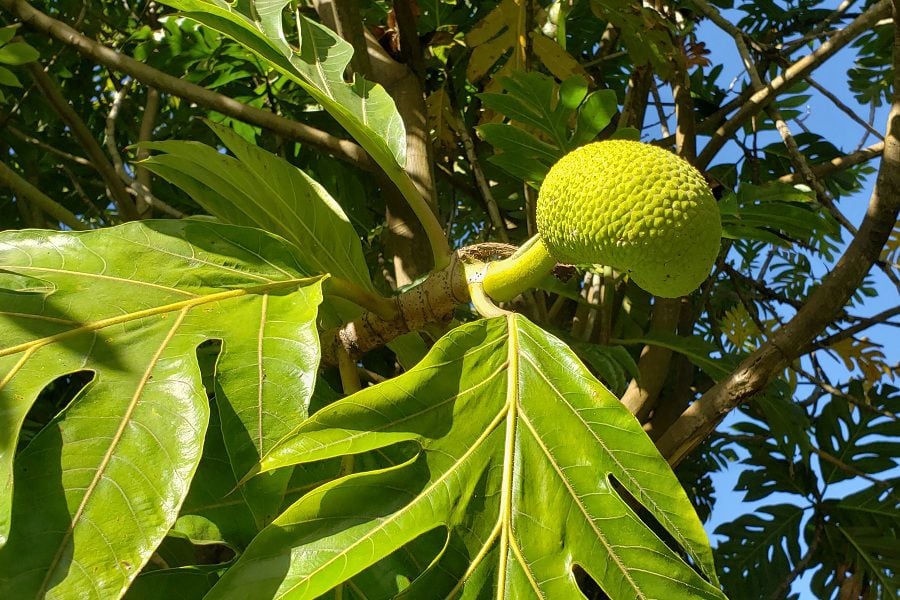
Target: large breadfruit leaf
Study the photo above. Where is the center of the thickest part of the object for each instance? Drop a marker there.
(261, 189)
(529, 466)
(99, 487)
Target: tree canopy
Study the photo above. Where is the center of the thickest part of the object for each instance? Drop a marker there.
(245, 350)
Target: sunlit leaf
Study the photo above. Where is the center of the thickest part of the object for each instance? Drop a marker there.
(531, 465)
(318, 64)
(260, 189)
(99, 487)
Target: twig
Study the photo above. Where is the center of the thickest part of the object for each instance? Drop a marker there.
(760, 287)
(820, 27)
(800, 164)
(829, 388)
(795, 71)
(657, 101)
(484, 187)
(863, 324)
(838, 164)
(20, 186)
(828, 299)
(846, 109)
(140, 190)
(45, 146)
(111, 117)
(145, 134)
(83, 135)
(342, 149)
(81, 193)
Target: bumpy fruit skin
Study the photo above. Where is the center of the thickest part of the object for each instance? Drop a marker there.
(635, 207)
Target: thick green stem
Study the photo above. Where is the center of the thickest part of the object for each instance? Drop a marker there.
(20, 186)
(381, 306)
(508, 278)
(481, 301)
(440, 250)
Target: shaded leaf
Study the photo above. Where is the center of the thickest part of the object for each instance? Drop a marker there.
(541, 114)
(9, 78)
(864, 441)
(697, 350)
(613, 365)
(778, 213)
(183, 583)
(18, 53)
(759, 551)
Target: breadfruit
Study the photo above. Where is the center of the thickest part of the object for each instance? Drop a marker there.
(634, 207)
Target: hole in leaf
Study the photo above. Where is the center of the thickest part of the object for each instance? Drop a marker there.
(395, 572)
(207, 355)
(53, 398)
(176, 551)
(653, 524)
(590, 588)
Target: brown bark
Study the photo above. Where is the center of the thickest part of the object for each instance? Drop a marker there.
(823, 305)
(342, 149)
(83, 135)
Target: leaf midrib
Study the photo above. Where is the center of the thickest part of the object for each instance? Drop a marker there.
(587, 516)
(659, 512)
(148, 312)
(107, 457)
(425, 493)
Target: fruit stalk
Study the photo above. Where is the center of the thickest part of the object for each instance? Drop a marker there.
(506, 279)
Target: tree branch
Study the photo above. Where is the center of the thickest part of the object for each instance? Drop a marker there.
(342, 149)
(653, 364)
(432, 301)
(838, 164)
(843, 107)
(862, 324)
(145, 134)
(47, 147)
(21, 187)
(786, 343)
(141, 192)
(797, 70)
(80, 131)
(458, 124)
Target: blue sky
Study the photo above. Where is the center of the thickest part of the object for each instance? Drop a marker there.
(821, 116)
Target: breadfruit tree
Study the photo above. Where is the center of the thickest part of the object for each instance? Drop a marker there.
(446, 299)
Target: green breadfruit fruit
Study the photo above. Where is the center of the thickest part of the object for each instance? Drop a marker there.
(634, 207)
